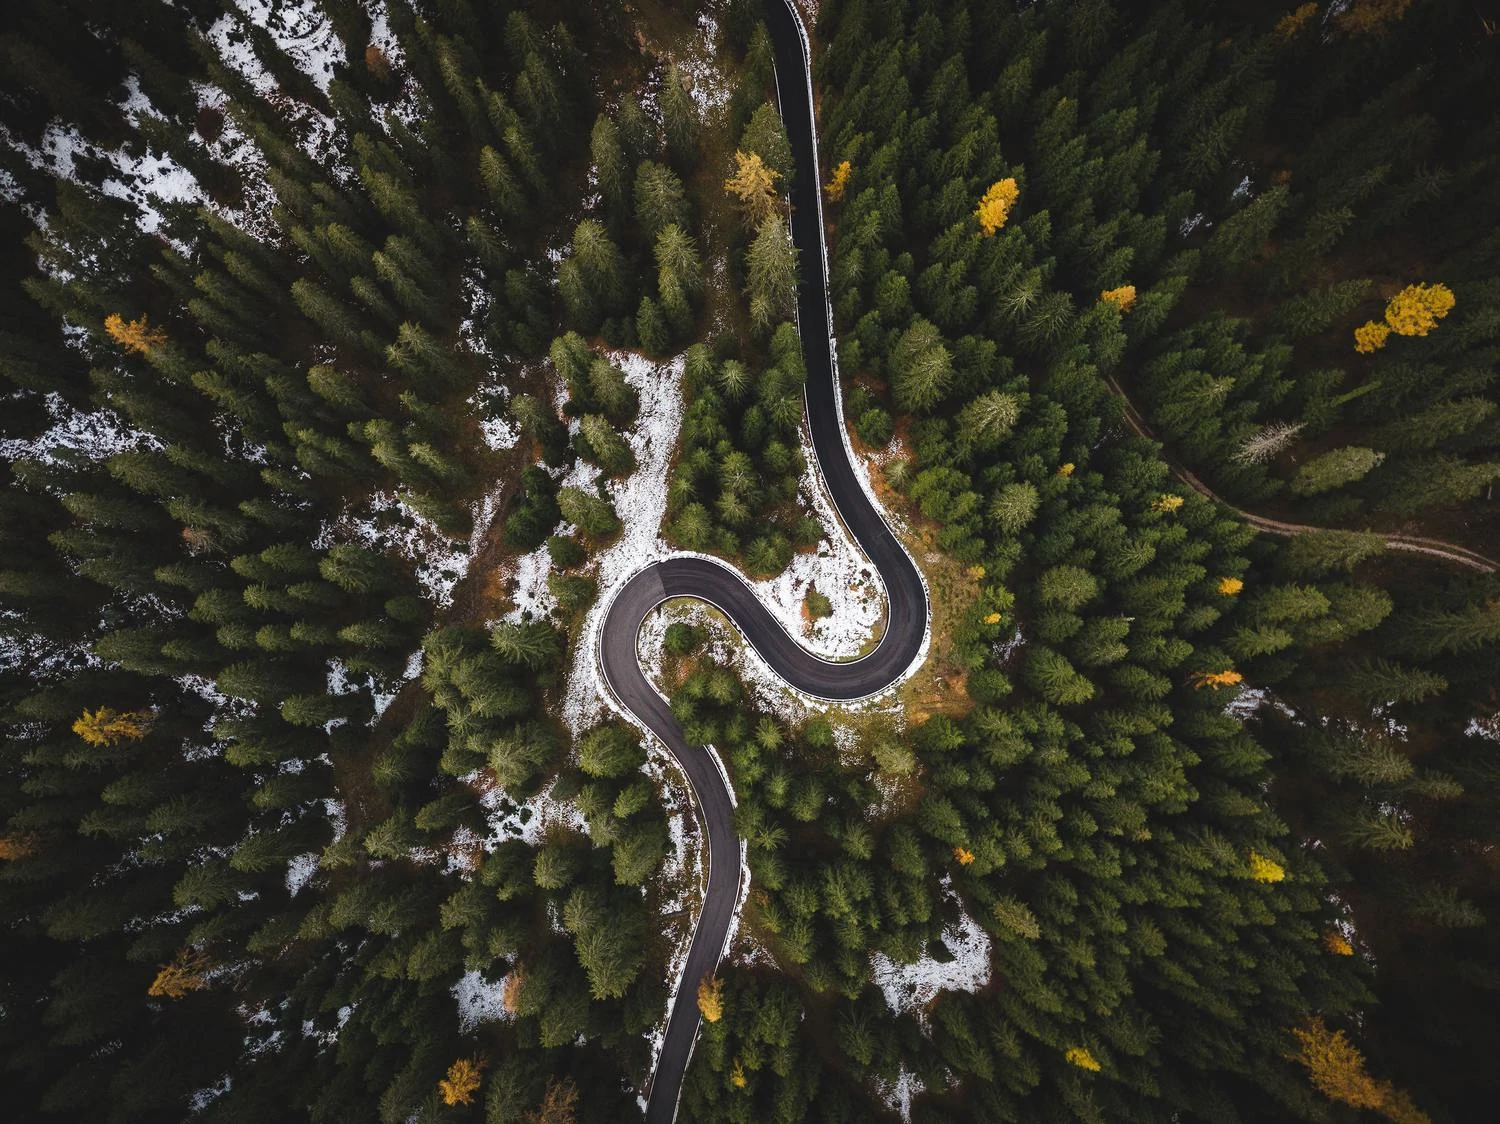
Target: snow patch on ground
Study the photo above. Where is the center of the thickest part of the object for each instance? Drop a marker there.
(910, 987)
(840, 572)
(705, 76)
(527, 821)
(143, 179)
(530, 598)
(384, 521)
(1484, 726)
(382, 695)
(75, 435)
(1249, 701)
(899, 1094)
(479, 1001)
(495, 426)
(299, 871)
(206, 1096)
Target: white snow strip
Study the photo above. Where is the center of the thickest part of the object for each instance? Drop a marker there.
(899, 1094)
(73, 434)
(302, 32)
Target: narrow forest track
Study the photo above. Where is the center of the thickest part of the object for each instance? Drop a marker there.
(901, 644)
(1413, 544)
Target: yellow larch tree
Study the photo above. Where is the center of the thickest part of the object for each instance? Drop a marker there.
(992, 618)
(1065, 469)
(1080, 1056)
(462, 1081)
(995, 207)
(737, 1076)
(1336, 1069)
(1372, 17)
(754, 186)
(1263, 869)
(134, 335)
(1416, 309)
(1294, 21)
(1122, 298)
(1168, 503)
(1336, 943)
(836, 184)
(963, 855)
(1230, 587)
(188, 972)
(1370, 337)
(711, 998)
(106, 726)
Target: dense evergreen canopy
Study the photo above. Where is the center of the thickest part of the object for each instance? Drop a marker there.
(1114, 283)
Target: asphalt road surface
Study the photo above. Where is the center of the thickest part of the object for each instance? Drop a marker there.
(907, 611)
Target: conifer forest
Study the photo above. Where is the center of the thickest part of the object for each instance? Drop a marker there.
(356, 354)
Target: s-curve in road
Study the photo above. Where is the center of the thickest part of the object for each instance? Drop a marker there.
(691, 576)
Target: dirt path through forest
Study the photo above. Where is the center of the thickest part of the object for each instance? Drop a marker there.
(1414, 544)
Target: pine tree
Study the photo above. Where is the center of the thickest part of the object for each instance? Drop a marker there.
(680, 119)
(660, 200)
(921, 367)
(771, 273)
(591, 514)
(1334, 469)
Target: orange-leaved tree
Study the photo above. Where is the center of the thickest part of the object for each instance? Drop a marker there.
(1294, 21)
(1337, 1070)
(188, 972)
(17, 846)
(134, 335)
(106, 726)
(1371, 17)
(1168, 503)
(1336, 943)
(559, 1104)
(1226, 678)
(1122, 298)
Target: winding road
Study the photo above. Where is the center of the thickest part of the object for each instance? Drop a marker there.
(716, 583)
(1412, 544)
